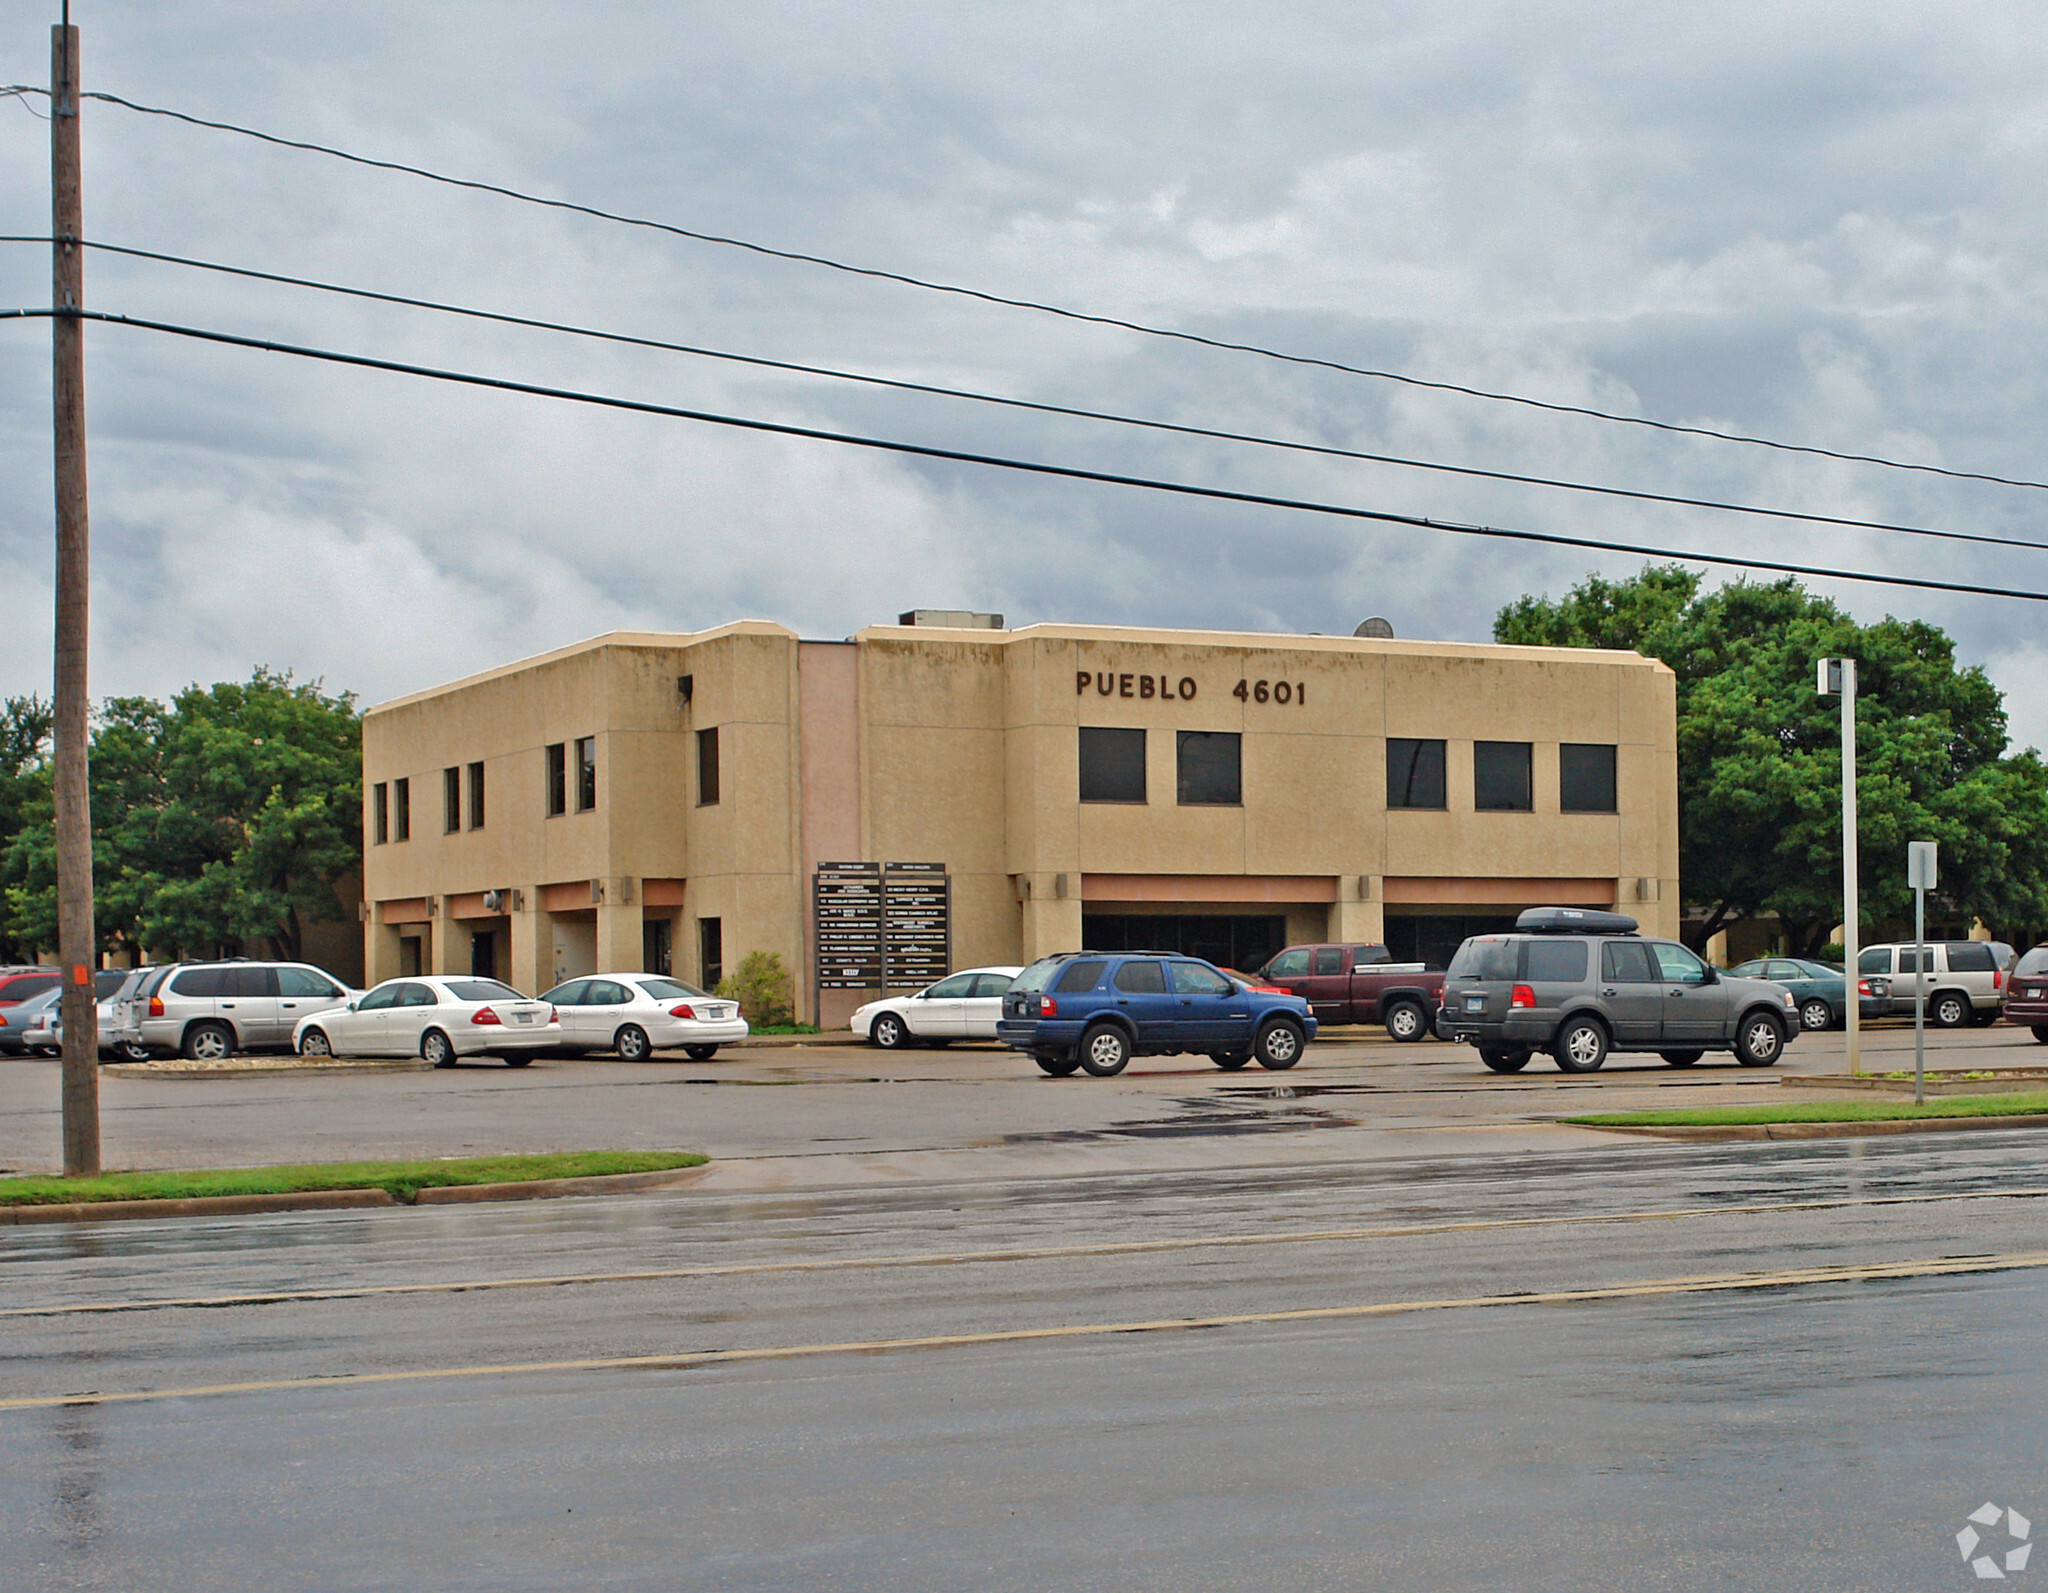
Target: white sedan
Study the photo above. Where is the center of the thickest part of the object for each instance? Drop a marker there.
(962, 1006)
(633, 1013)
(437, 1018)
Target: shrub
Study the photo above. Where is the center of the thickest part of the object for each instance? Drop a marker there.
(762, 988)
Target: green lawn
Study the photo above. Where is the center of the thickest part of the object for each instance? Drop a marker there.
(2018, 1104)
(402, 1180)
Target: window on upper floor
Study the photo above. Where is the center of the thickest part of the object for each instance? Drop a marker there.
(401, 810)
(476, 796)
(1415, 773)
(1211, 768)
(586, 773)
(1112, 764)
(380, 813)
(558, 778)
(707, 767)
(1585, 777)
(1501, 780)
(451, 801)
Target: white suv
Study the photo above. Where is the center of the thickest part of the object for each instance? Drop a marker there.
(208, 1010)
(1964, 981)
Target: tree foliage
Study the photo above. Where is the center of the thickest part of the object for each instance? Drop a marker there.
(761, 986)
(224, 816)
(1759, 753)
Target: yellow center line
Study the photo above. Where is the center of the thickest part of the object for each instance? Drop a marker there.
(1648, 1288)
(954, 1258)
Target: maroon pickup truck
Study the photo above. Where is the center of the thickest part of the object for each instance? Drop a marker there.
(1357, 984)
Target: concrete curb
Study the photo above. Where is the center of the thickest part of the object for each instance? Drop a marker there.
(1776, 1131)
(156, 1070)
(350, 1199)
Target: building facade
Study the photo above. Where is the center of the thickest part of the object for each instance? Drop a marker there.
(917, 797)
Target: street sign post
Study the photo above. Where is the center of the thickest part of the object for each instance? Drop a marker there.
(1920, 876)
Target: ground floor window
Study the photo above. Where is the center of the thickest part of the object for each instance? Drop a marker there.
(710, 952)
(1432, 939)
(1242, 941)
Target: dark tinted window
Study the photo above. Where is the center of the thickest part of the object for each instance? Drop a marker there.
(957, 988)
(451, 801)
(568, 995)
(604, 993)
(1361, 955)
(1625, 962)
(670, 989)
(31, 985)
(304, 982)
(1033, 978)
(383, 996)
(711, 951)
(1112, 765)
(200, 982)
(2033, 962)
(1484, 957)
(1210, 768)
(1585, 778)
(482, 990)
(416, 996)
(249, 982)
(401, 810)
(1192, 979)
(476, 796)
(1909, 959)
(707, 767)
(1970, 956)
(1415, 773)
(1141, 979)
(558, 779)
(380, 813)
(1289, 964)
(586, 773)
(991, 984)
(1079, 976)
(1877, 960)
(1676, 964)
(1329, 960)
(1559, 961)
(1500, 777)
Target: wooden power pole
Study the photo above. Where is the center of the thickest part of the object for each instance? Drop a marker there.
(75, 939)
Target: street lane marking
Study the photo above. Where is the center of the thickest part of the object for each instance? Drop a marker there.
(955, 1258)
(1649, 1288)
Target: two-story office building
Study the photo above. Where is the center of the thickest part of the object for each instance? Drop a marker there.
(916, 798)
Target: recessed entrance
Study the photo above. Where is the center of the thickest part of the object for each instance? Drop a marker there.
(1237, 940)
(1434, 939)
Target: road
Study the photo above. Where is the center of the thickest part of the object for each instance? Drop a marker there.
(1632, 1366)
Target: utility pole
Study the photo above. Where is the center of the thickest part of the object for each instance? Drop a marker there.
(75, 940)
(1837, 676)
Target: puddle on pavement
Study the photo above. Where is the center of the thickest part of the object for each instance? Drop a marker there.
(1272, 1111)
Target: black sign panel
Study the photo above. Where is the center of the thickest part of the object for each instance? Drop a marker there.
(917, 918)
(847, 913)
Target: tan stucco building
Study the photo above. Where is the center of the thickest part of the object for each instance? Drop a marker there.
(677, 801)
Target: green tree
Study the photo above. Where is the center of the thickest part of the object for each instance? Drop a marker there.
(762, 988)
(1759, 752)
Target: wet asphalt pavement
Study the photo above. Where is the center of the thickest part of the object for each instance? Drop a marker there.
(1807, 1434)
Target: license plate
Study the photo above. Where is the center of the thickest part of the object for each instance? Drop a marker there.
(1475, 1003)
(522, 1017)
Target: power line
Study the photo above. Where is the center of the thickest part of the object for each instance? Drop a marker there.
(1039, 467)
(929, 389)
(1042, 308)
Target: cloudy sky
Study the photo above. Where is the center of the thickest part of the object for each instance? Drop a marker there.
(1819, 222)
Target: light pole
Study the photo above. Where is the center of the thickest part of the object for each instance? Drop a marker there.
(1837, 677)
(1919, 875)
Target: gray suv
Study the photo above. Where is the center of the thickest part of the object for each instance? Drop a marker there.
(209, 1010)
(1579, 984)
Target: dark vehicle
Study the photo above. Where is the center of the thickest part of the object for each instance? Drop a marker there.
(1097, 1010)
(1820, 989)
(2026, 993)
(1579, 984)
(1359, 984)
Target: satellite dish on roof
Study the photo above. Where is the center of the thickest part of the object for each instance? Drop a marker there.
(1377, 628)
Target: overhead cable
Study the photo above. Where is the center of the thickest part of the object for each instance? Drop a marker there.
(1067, 411)
(1043, 308)
(1041, 467)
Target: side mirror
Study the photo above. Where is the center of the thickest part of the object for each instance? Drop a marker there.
(351, 1006)
(1711, 975)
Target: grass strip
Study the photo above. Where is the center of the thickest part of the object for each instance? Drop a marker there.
(402, 1180)
(2019, 1104)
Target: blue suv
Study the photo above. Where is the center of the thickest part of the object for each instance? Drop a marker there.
(1096, 1010)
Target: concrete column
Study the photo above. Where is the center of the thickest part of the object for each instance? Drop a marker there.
(532, 950)
(447, 946)
(380, 953)
(1051, 924)
(619, 944)
(1362, 922)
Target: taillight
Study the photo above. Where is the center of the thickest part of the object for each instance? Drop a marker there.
(1047, 1007)
(1998, 979)
(554, 1016)
(156, 1006)
(1521, 996)
(683, 1010)
(1863, 987)
(485, 1015)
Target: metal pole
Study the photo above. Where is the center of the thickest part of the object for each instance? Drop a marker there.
(75, 939)
(1852, 1004)
(1919, 991)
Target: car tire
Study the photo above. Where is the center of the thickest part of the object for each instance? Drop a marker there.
(1760, 1042)
(700, 1053)
(1816, 1015)
(889, 1032)
(1105, 1051)
(436, 1048)
(1948, 1010)
(208, 1042)
(129, 1051)
(1580, 1046)
(1279, 1045)
(1230, 1061)
(1406, 1022)
(512, 1061)
(1681, 1059)
(314, 1042)
(1058, 1064)
(1505, 1059)
(631, 1044)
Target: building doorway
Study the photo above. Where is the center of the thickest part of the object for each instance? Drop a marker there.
(483, 954)
(1234, 940)
(657, 948)
(409, 962)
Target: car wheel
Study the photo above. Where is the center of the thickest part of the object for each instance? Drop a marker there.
(890, 1032)
(131, 1052)
(435, 1048)
(512, 1061)
(1057, 1065)
(314, 1043)
(1681, 1059)
(1278, 1046)
(1948, 1010)
(700, 1053)
(1816, 1015)
(1761, 1041)
(1406, 1021)
(631, 1044)
(1580, 1046)
(1509, 1059)
(208, 1042)
(2040, 1032)
(1230, 1061)
(1105, 1051)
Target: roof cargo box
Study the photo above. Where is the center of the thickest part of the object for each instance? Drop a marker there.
(1573, 921)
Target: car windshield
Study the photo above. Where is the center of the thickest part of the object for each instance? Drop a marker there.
(2033, 963)
(669, 989)
(482, 990)
(1037, 975)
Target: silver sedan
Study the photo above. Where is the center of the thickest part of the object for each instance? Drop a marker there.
(436, 1018)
